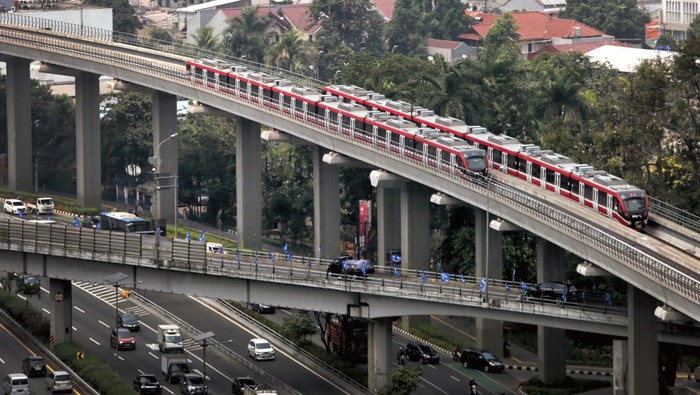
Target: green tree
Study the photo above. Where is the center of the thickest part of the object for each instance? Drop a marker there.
(206, 39)
(158, 33)
(406, 30)
(245, 35)
(299, 328)
(404, 380)
(288, 53)
(355, 22)
(447, 20)
(124, 17)
(453, 91)
(619, 18)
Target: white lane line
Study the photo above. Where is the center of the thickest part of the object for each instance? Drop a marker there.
(21, 297)
(45, 290)
(79, 309)
(95, 341)
(153, 355)
(46, 311)
(105, 325)
(1, 360)
(167, 389)
(74, 329)
(455, 379)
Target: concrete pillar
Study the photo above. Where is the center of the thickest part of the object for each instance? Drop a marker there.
(62, 310)
(87, 139)
(164, 126)
(643, 350)
(620, 353)
(489, 263)
(379, 353)
(326, 207)
(19, 125)
(415, 236)
(551, 342)
(388, 215)
(248, 183)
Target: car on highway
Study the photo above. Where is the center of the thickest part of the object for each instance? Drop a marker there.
(15, 206)
(16, 384)
(91, 222)
(192, 384)
(122, 339)
(147, 384)
(263, 308)
(240, 383)
(481, 360)
(59, 381)
(260, 349)
(554, 290)
(30, 285)
(420, 352)
(337, 265)
(359, 267)
(34, 366)
(129, 321)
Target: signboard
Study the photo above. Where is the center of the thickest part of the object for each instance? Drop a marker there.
(58, 296)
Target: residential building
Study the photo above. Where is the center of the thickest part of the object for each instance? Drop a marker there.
(452, 51)
(549, 7)
(676, 16)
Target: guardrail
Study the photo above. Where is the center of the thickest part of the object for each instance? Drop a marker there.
(614, 247)
(674, 214)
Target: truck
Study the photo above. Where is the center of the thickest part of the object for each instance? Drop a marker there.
(43, 205)
(170, 339)
(173, 367)
(347, 337)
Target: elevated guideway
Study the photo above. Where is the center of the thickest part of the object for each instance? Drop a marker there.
(677, 285)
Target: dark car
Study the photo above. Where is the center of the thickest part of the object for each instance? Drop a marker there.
(122, 339)
(129, 321)
(239, 384)
(337, 266)
(34, 366)
(553, 290)
(481, 360)
(147, 384)
(91, 222)
(192, 384)
(264, 308)
(420, 352)
(359, 267)
(30, 285)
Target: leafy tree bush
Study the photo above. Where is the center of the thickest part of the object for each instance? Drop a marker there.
(96, 372)
(404, 380)
(566, 386)
(27, 315)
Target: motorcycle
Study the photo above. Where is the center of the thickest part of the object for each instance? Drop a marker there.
(472, 388)
(457, 354)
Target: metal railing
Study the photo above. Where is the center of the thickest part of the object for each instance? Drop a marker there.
(544, 212)
(674, 214)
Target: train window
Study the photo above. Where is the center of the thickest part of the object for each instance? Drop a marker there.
(512, 162)
(242, 85)
(574, 184)
(616, 204)
(565, 183)
(395, 137)
(417, 145)
(588, 192)
(602, 198)
(432, 151)
(445, 156)
(550, 176)
(522, 166)
(497, 156)
(536, 169)
(346, 121)
(332, 116)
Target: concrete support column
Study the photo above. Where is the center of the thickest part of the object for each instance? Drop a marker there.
(551, 342)
(326, 207)
(388, 215)
(19, 125)
(87, 139)
(415, 236)
(620, 354)
(62, 311)
(489, 263)
(248, 183)
(379, 353)
(643, 350)
(164, 126)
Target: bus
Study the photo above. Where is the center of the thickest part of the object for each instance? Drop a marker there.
(125, 222)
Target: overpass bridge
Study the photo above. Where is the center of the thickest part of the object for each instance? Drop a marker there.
(651, 267)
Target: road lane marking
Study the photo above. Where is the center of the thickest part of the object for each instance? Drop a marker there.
(46, 311)
(455, 379)
(74, 328)
(95, 341)
(1, 360)
(79, 309)
(105, 325)
(153, 355)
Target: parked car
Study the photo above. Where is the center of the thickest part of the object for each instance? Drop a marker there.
(263, 308)
(34, 366)
(129, 321)
(122, 339)
(481, 360)
(15, 206)
(337, 266)
(553, 290)
(59, 381)
(420, 352)
(359, 267)
(91, 222)
(260, 349)
(240, 383)
(30, 285)
(147, 384)
(192, 384)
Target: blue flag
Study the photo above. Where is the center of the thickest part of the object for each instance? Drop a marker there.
(461, 277)
(424, 277)
(439, 265)
(564, 296)
(256, 259)
(364, 270)
(49, 217)
(608, 299)
(396, 271)
(99, 226)
(21, 214)
(272, 257)
(395, 259)
(238, 256)
(76, 223)
(291, 257)
(345, 265)
(483, 284)
(157, 230)
(203, 237)
(284, 248)
(187, 235)
(309, 262)
(523, 285)
(445, 277)
(508, 287)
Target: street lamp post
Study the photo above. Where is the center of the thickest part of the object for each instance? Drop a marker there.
(155, 161)
(115, 279)
(203, 338)
(488, 230)
(318, 72)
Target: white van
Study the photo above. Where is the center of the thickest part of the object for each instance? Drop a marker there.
(16, 384)
(215, 248)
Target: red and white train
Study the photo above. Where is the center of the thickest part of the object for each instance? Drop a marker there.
(445, 143)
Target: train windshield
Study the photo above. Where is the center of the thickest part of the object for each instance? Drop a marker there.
(476, 163)
(635, 205)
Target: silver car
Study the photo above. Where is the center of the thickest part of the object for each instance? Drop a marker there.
(59, 381)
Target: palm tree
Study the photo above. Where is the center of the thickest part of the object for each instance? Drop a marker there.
(206, 39)
(245, 35)
(453, 91)
(288, 53)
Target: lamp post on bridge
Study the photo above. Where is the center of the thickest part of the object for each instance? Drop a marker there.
(115, 279)
(155, 161)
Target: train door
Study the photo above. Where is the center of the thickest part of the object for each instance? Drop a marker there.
(292, 105)
(582, 193)
(557, 181)
(595, 199)
(528, 172)
(504, 162)
(489, 154)
(304, 109)
(543, 177)
(609, 203)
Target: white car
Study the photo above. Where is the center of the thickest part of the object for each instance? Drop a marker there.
(59, 381)
(15, 206)
(260, 349)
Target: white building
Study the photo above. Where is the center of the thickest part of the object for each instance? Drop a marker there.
(676, 16)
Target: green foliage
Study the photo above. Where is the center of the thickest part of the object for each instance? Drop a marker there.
(124, 17)
(355, 23)
(619, 18)
(25, 314)
(100, 375)
(439, 337)
(404, 380)
(158, 33)
(291, 53)
(299, 328)
(568, 385)
(245, 35)
(206, 39)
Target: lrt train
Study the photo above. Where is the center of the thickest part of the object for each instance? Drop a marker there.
(595, 189)
(441, 142)
(438, 150)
